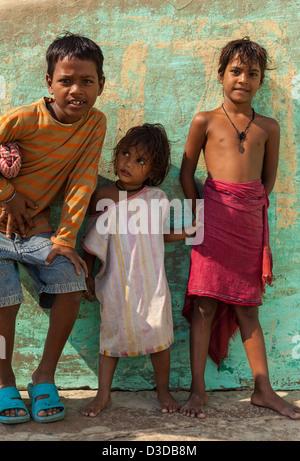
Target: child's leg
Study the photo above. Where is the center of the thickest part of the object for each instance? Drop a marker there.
(7, 331)
(161, 365)
(63, 314)
(107, 366)
(253, 340)
(203, 314)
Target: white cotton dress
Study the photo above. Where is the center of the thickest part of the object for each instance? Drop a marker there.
(131, 284)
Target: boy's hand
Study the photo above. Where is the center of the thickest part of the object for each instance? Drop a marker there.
(90, 284)
(69, 253)
(15, 210)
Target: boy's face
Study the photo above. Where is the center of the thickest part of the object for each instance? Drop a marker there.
(241, 80)
(75, 86)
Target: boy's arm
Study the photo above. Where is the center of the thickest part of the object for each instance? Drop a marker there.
(81, 184)
(6, 188)
(174, 235)
(69, 253)
(7, 134)
(13, 204)
(195, 142)
(271, 156)
(15, 210)
(88, 257)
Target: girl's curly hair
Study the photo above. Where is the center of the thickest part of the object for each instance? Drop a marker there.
(153, 138)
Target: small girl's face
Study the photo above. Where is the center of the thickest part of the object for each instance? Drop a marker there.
(133, 166)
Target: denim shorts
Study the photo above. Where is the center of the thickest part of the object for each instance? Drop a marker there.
(58, 277)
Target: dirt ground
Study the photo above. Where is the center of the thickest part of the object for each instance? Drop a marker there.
(136, 417)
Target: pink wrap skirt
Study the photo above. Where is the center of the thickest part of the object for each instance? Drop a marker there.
(234, 261)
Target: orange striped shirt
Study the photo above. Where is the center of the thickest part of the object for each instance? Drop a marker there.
(57, 159)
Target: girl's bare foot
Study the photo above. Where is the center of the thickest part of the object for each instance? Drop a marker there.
(273, 401)
(194, 406)
(168, 403)
(95, 406)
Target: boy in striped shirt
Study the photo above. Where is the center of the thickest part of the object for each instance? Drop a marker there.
(60, 139)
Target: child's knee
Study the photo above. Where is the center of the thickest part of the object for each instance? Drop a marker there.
(206, 307)
(72, 299)
(75, 296)
(246, 313)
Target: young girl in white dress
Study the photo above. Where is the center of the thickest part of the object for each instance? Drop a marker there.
(125, 231)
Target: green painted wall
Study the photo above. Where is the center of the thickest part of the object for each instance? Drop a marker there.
(161, 66)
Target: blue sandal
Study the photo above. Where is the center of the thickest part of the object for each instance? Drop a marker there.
(10, 398)
(51, 401)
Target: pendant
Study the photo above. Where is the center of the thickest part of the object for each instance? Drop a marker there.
(241, 148)
(242, 136)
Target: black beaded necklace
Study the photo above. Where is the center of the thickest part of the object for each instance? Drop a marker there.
(242, 135)
(130, 190)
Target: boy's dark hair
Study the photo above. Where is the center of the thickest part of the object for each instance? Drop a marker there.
(74, 46)
(154, 139)
(247, 51)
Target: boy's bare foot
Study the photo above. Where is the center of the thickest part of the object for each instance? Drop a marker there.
(168, 403)
(193, 407)
(95, 406)
(273, 401)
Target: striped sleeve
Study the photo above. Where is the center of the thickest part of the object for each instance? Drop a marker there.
(81, 184)
(6, 134)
